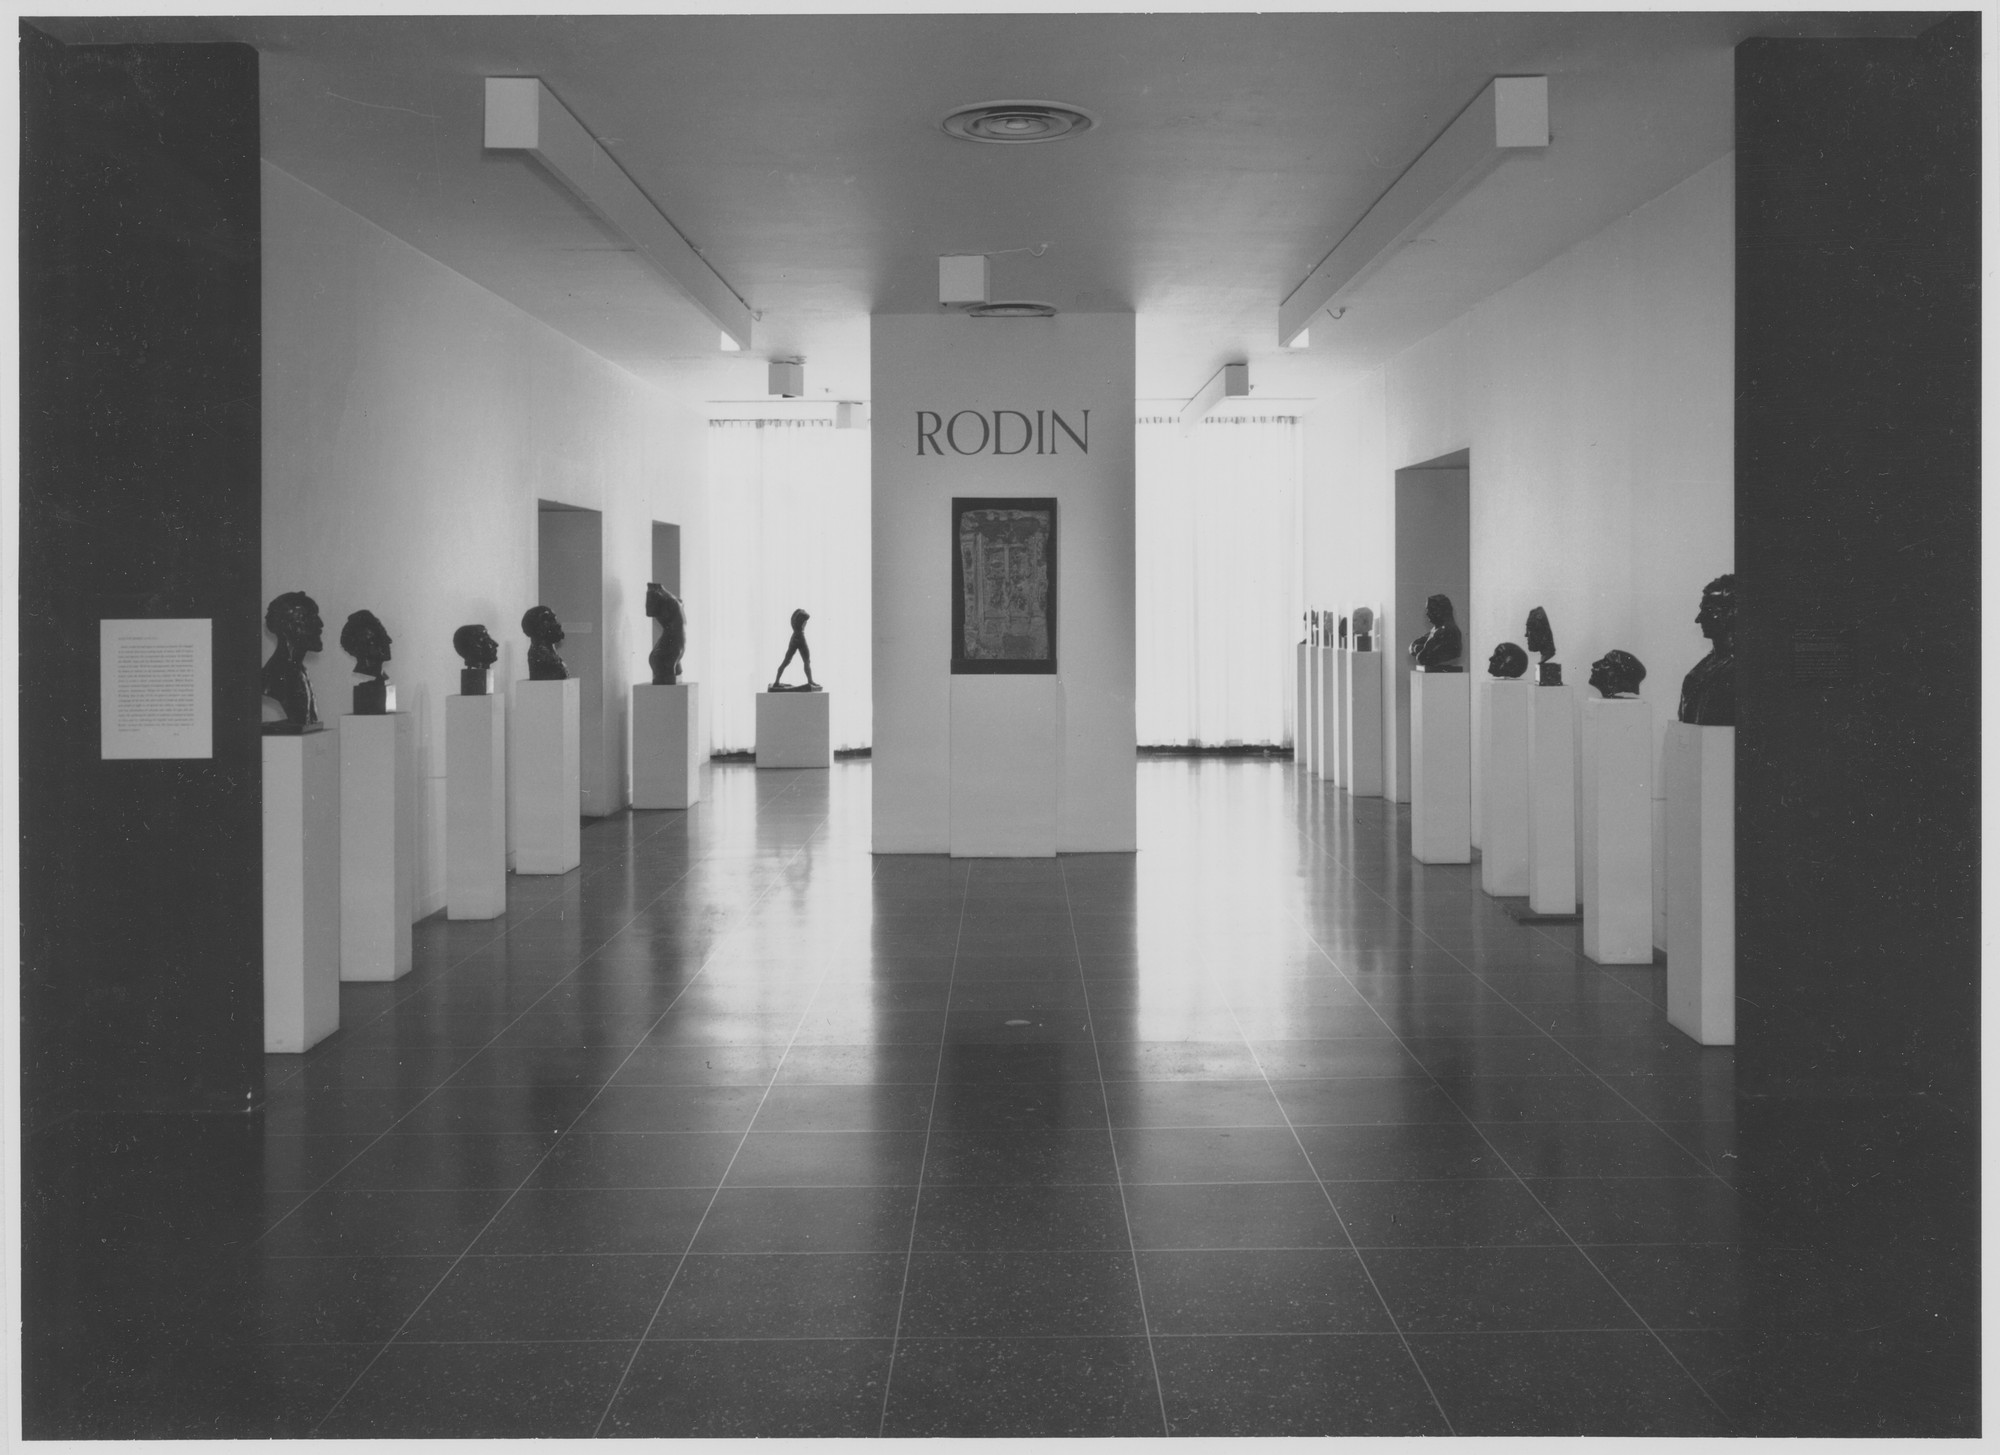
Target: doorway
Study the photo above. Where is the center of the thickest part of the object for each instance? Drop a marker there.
(1433, 554)
(570, 578)
(667, 556)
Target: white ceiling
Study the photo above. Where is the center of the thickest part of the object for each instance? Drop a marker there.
(801, 155)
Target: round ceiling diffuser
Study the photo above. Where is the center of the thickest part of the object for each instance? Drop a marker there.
(1013, 310)
(1014, 123)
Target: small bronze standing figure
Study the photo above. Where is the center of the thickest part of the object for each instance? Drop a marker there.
(797, 647)
(1439, 649)
(475, 645)
(545, 634)
(365, 639)
(665, 608)
(1542, 642)
(1708, 692)
(293, 619)
(1617, 674)
(1508, 661)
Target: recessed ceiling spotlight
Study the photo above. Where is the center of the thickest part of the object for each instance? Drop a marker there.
(1013, 310)
(1013, 123)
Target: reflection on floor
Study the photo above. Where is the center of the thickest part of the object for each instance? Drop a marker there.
(739, 1130)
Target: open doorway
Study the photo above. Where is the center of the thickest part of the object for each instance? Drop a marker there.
(570, 577)
(667, 556)
(1433, 554)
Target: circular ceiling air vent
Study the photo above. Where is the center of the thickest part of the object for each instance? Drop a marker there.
(1013, 310)
(1014, 123)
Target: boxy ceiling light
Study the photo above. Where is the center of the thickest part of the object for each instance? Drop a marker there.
(524, 115)
(1510, 115)
(788, 378)
(1231, 381)
(964, 278)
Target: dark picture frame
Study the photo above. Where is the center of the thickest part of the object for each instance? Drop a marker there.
(1025, 553)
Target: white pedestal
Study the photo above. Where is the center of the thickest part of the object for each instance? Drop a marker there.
(475, 807)
(1303, 708)
(1441, 767)
(1329, 697)
(1552, 801)
(1340, 712)
(544, 777)
(301, 890)
(1006, 765)
(1364, 724)
(1701, 881)
(1615, 829)
(1505, 707)
(378, 844)
(794, 730)
(1306, 749)
(666, 745)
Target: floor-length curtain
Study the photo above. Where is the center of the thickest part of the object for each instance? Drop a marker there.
(1217, 538)
(788, 528)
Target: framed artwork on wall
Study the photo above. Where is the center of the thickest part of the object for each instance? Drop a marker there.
(1003, 585)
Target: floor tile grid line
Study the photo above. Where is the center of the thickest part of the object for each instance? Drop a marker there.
(1117, 1168)
(722, 1180)
(529, 1177)
(474, 1052)
(923, 1162)
(1512, 1171)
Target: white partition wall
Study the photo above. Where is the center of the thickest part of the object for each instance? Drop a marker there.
(1342, 685)
(1552, 801)
(1504, 710)
(1302, 706)
(301, 890)
(1329, 715)
(1364, 728)
(1006, 765)
(1309, 715)
(966, 410)
(378, 844)
(666, 744)
(1441, 767)
(544, 786)
(1701, 881)
(475, 806)
(1615, 828)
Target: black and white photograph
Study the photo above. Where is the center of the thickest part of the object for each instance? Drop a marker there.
(1472, 928)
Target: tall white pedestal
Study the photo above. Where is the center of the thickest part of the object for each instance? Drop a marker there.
(1364, 724)
(666, 744)
(1552, 801)
(1329, 698)
(1615, 828)
(475, 807)
(1302, 708)
(1505, 707)
(1310, 716)
(301, 890)
(1441, 767)
(1006, 765)
(794, 730)
(1701, 881)
(1340, 713)
(544, 777)
(378, 844)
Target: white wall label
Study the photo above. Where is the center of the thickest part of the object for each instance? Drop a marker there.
(156, 688)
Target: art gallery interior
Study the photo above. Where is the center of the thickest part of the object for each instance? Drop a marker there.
(1123, 984)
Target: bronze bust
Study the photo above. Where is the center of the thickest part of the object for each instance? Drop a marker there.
(1708, 692)
(1508, 661)
(1617, 674)
(293, 619)
(475, 645)
(1438, 649)
(545, 634)
(365, 639)
(1542, 642)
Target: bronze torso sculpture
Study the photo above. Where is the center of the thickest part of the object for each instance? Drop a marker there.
(665, 608)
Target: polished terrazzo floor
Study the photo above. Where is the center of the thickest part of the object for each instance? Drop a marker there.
(740, 1130)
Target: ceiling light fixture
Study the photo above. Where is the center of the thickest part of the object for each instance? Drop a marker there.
(1013, 310)
(1015, 123)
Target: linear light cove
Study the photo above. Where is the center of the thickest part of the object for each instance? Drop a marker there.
(987, 432)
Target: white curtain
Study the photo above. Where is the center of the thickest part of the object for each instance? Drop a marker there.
(1218, 579)
(788, 528)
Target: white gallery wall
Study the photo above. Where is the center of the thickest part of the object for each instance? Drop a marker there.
(944, 364)
(412, 420)
(1595, 395)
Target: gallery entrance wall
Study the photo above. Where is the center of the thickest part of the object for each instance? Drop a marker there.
(1002, 468)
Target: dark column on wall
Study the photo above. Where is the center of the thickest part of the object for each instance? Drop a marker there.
(141, 985)
(1857, 519)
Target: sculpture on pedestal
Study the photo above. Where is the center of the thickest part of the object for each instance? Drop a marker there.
(1617, 674)
(1508, 661)
(1439, 649)
(796, 647)
(1364, 629)
(293, 619)
(1343, 634)
(476, 646)
(365, 639)
(1542, 642)
(545, 633)
(1708, 692)
(665, 608)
